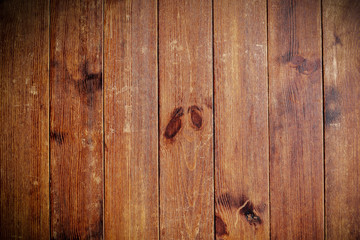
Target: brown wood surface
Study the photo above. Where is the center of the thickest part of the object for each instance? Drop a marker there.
(203, 119)
(131, 120)
(341, 27)
(76, 120)
(241, 120)
(186, 119)
(296, 119)
(24, 119)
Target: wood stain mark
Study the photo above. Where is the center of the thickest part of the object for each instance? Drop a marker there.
(332, 107)
(58, 137)
(91, 234)
(89, 84)
(100, 224)
(65, 236)
(174, 125)
(220, 227)
(95, 234)
(196, 117)
(75, 236)
(337, 40)
(54, 63)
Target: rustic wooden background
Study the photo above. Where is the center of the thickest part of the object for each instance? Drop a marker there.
(180, 119)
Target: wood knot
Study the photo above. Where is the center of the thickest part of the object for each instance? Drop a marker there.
(174, 125)
(196, 118)
(242, 206)
(247, 210)
(303, 65)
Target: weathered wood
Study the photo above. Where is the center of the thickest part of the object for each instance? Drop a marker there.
(186, 123)
(131, 120)
(341, 27)
(241, 120)
(24, 119)
(295, 115)
(76, 124)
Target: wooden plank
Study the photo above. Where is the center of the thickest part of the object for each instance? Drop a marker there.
(186, 123)
(241, 120)
(76, 124)
(131, 120)
(295, 115)
(341, 27)
(24, 119)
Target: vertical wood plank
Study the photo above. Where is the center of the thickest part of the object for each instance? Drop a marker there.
(186, 123)
(295, 115)
(76, 120)
(341, 28)
(131, 120)
(241, 120)
(24, 119)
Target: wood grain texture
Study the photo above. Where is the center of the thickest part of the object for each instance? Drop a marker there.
(76, 129)
(24, 157)
(131, 120)
(241, 120)
(341, 28)
(295, 115)
(186, 122)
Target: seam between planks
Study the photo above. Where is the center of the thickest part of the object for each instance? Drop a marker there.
(213, 111)
(323, 114)
(268, 111)
(49, 119)
(158, 111)
(103, 113)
